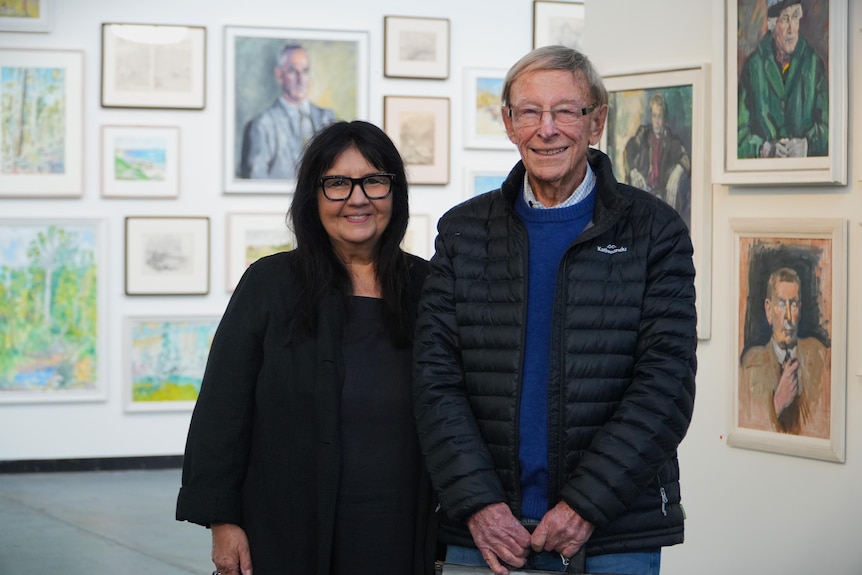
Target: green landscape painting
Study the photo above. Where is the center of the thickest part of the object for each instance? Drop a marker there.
(49, 310)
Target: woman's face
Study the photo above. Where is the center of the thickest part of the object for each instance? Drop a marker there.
(355, 225)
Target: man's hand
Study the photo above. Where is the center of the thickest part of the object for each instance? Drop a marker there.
(788, 386)
(230, 552)
(500, 537)
(561, 530)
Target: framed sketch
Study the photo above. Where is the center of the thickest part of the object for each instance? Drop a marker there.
(41, 119)
(791, 336)
(657, 139)
(417, 240)
(791, 131)
(282, 86)
(251, 237)
(483, 109)
(153, 66)
(140, 161)
(53, 289)
(558, 23)
(167, 255)
(415, 47)
(419, 127)
(26, 16)
(479, 181)
(165, 358)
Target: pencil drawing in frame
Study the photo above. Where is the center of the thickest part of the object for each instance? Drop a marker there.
(53, 294)
(41, 123)
(281, 86)
(785, 102)
(789, 383)
(153, 66)
(167, 255)
(558, 23)
(415, 47)
(419, 127)
(657, 138)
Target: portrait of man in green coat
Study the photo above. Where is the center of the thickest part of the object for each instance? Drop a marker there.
(783, 109)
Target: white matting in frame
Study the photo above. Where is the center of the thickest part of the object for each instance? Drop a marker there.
(167, 255)
(790, 278)
(140, 161)
(683, 182)
(29, 16)
(417, 238)
(251, 237)
(822, 36)
(558, 23)
(416, 47)
(339, 75)
(483, 109)
(43, 157)
(419, 127)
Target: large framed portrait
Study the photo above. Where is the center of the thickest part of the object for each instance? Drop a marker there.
(165, 358)
(53, 293)
(251, 237)
(153, 66)
(140, 161)
(483, 109)
(167, 255)
(282, 86)
(558, 23)
(41, 119)
(415, 47)
(791, 336)
(26, 16)
(786, 93)
(419, 127)
(657, 139)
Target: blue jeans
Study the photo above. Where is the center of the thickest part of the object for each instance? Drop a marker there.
(644, 563)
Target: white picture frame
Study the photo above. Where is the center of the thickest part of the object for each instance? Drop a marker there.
(484, 128)
(32, 16)
(415, 47)
(559, 23)
(417, 239)
(481, 180)
(140, 161)
(167, 255)
(419, 127)
(251, 236)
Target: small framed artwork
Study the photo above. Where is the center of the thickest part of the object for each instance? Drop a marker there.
(419, 127)
(270, 115)
(140, 161)
(165, 358)
(54, 329)
(791, 336)
(784, 127)
(417, 238)
(251, 237)
(558, 23)
(415, 47)
(167, 255)
(41, 119)
(479, 181)
(153, 66)
(483, 109)
(657, 139)
(26, 16)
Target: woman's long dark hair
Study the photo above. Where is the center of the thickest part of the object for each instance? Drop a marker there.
(321, 270)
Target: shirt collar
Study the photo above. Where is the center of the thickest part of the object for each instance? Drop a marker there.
(579, 194)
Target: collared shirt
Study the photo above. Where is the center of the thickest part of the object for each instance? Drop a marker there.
(579, 194)
(781, 353)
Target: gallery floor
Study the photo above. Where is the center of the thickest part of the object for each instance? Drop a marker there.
(97, 523)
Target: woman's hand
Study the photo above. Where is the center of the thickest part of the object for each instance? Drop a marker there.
(230, 552)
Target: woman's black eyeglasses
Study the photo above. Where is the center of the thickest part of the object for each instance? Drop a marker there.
(374, 186)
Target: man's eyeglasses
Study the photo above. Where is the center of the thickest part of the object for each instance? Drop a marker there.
(529, 116)
(374, 186)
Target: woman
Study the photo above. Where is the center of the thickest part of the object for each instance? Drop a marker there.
(302, 455)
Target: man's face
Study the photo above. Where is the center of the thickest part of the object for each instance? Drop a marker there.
(786, 30)
(657, 114)
(294, 76)
(782, 312)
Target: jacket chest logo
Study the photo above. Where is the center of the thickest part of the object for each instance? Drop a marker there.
(612, 249)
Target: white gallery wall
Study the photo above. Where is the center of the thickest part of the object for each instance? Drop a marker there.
(748, 511)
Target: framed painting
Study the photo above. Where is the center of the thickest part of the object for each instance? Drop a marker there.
(791, 127)
(417, 238)
(26, 16)
(282, 86)
(140, 161)
(251, 237)
(153, 66)
(415, 47)
(41, 119)
(657, 139)
(483, 109)
(479, 181)
(53, 289)
(165, 358)
(791, 336)
(167, 255)
(558, 23)
(419, 127)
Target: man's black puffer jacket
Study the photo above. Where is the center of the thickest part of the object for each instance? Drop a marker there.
(622, 372)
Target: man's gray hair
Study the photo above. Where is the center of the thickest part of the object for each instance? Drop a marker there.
(286, 49)
(557, 58)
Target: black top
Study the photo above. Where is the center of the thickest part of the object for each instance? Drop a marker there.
(375, 516)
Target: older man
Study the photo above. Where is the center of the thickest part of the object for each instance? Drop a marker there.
(783, 108)
(555, 347)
